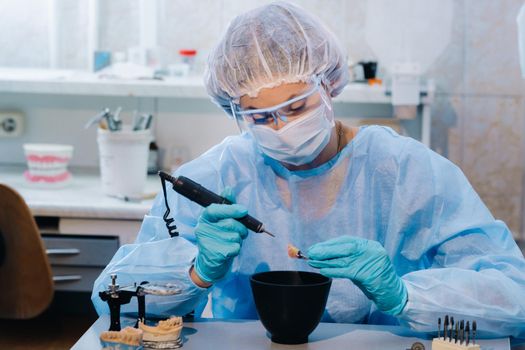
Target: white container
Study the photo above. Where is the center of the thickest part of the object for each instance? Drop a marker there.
(47, 164)
(123, 161)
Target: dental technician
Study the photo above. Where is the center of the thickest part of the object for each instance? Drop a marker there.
(399, 228)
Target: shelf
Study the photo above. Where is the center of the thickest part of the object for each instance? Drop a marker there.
(64, 82)
(82, 83)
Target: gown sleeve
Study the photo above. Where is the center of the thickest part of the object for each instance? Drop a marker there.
(157, 257)
(469, 265)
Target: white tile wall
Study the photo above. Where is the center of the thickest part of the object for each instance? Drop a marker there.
(119, 24)
(492, 147)
(493, 153)
(189, 25)
(447, 70)
(73, 34)
(447, 127)
(23, 44)
(492, 60)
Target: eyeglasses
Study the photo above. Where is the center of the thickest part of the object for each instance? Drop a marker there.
(286, 111)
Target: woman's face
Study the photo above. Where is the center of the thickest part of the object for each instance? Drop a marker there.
(270, 97)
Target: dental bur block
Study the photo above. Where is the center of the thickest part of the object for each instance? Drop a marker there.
(441, 344)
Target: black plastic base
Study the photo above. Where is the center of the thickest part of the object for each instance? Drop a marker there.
(288, 340)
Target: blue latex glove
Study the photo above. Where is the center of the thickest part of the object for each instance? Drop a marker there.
(219, 238)
(366, 264)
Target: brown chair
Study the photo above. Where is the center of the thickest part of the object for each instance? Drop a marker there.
(25, 272)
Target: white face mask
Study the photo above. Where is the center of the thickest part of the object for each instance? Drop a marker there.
(300, 141)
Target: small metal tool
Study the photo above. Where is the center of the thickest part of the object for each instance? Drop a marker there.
(116, 119)
(445, 327)
(117, 113)
(301, 255)
(461, 332)
(134, 119)
(467, 331)
(474, 326)
(112, 126)
(136, 199)
(97, 118)
(143, 122)
(451, 329)
(149, 118)
(137, 123)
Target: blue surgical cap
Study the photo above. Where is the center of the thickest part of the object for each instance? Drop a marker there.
(271, 45)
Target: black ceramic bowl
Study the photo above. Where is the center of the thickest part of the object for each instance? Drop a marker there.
(290, 304)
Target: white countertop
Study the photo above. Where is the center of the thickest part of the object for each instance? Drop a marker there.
(82, 198)
(68, 82)
(51, 81)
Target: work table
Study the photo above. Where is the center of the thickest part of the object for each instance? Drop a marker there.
(249, 334)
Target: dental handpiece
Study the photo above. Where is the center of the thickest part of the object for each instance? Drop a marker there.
(200, 195)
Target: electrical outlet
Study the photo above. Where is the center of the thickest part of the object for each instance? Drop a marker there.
(11, 124)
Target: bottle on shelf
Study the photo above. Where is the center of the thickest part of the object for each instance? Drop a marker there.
(153, 158)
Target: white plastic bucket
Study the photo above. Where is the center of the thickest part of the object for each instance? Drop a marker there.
(123, 160)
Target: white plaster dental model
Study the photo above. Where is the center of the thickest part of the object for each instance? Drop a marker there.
(165, 335)
(128, 338)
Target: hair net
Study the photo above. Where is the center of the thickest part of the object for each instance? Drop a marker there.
(270, 45)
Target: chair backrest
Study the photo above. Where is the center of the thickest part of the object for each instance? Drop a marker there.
(25, 272)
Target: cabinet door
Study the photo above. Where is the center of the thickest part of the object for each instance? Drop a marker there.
(76, 261)
(75, 278)
(79, 250)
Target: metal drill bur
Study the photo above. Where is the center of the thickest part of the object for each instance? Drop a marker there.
(451, 329)
(457, 332)
(474, 332)
(445, 327)
(467, 330)
(461, 332)
(268, 232)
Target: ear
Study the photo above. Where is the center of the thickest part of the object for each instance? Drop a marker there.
(326, 89)
(325, 84)
(325, 95)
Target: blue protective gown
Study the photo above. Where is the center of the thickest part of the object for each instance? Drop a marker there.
(453, 256)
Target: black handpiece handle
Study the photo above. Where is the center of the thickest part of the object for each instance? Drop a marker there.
(201, 195)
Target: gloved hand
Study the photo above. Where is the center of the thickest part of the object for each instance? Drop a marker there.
(366, 264)
(219, 238)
